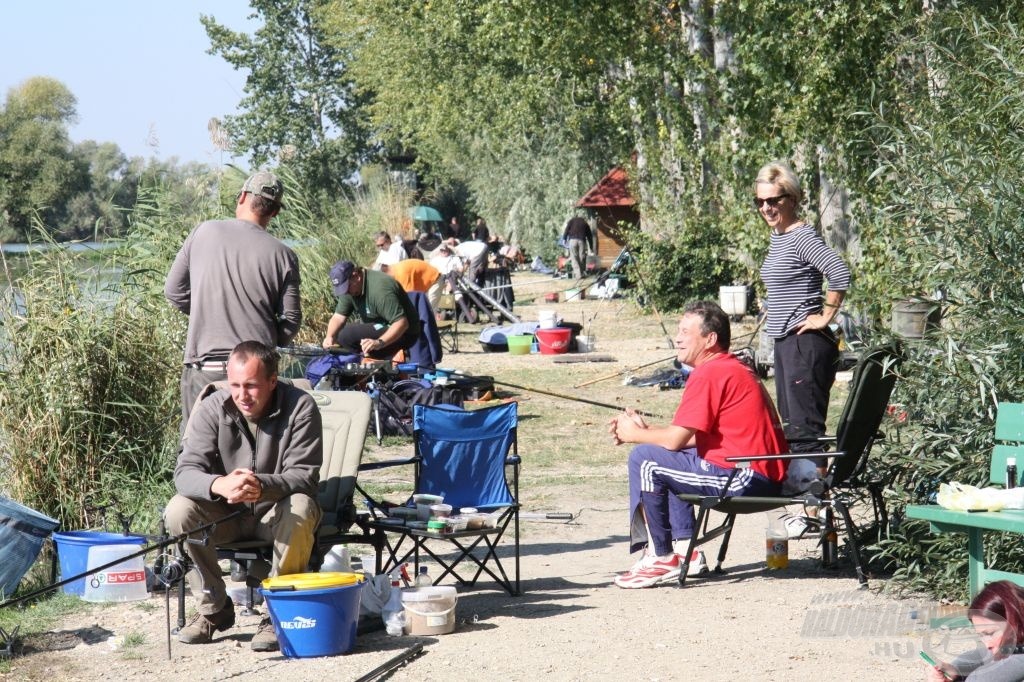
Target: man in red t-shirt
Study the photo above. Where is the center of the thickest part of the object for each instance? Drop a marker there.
(724, 412)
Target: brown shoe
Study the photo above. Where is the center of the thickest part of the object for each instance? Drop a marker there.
(265, 638)
(201, 628)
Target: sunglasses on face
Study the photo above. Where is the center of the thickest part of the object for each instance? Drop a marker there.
(770, 201)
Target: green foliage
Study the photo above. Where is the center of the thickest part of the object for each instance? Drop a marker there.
(952, 167)
(38, 171)
(86, 392)
(685, 266)
(299, 108)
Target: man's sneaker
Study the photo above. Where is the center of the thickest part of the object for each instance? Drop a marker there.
(698, 563)
(653, 571)
(201, 628)
(265, 638)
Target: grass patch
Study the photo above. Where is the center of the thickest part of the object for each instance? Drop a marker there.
(131, 644)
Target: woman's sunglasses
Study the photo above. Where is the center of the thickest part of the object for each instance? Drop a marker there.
(771, 201)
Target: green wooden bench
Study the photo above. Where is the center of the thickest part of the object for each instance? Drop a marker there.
(1010, 443)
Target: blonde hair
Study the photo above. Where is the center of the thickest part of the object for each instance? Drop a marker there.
(780, 174)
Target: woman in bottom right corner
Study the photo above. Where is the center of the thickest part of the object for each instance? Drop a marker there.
(997, 614)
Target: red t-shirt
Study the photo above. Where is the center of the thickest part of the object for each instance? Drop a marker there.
(732, 414)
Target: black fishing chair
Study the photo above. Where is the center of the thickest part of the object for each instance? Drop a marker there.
(469, 458)
(846, 481)
(345, 416)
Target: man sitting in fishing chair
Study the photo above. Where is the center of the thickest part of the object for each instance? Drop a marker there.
(257, 448)
(724, 411)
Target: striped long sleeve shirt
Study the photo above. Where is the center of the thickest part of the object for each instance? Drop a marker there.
(794, 271)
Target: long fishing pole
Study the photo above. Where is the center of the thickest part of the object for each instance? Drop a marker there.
(573, 398)
(181, 537)
(623, 371)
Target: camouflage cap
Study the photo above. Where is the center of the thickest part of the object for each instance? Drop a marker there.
(266, 185)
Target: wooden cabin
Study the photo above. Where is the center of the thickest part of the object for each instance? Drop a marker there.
(615, 210)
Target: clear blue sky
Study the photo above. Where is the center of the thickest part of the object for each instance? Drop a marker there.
(133, 65)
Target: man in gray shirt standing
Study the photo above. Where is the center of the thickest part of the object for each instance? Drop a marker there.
(236, 283)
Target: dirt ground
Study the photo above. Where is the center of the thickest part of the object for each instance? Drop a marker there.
(570, 622)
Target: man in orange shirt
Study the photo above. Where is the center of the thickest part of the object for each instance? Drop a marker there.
(414, 274)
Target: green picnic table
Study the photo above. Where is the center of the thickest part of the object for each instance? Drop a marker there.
(974, 524)
(1009, 436)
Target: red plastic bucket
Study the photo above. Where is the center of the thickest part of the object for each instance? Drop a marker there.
(554, 341)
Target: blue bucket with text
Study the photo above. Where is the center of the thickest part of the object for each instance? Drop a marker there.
(73, 552)
(314, 614)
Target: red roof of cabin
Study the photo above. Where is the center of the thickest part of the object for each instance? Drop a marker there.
(611, 190)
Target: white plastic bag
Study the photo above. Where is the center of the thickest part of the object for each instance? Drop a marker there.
(963, 497)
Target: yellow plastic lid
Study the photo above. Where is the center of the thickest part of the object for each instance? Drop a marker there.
(312, 581)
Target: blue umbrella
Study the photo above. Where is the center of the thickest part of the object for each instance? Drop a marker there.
(425, 214)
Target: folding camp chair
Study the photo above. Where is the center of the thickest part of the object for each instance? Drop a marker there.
(345, 416)
(464, 456)
(846, 480)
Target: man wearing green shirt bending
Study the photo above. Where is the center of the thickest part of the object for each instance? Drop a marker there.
(385, 319)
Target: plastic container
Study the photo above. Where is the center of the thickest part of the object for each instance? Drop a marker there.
(407, 513)
(548, 319)
(73, 552)
(554, 341)
(125, 581)
(440, 511)
(776, 543)
(393, 613)
(423, 502)
(733, 299)
(314, 614)
(584, 344)
(430, 610)
(519, 344)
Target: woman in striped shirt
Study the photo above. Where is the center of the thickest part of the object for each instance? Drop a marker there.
(797, 265)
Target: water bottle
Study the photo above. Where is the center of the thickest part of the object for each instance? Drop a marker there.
(422, 579)
(336, 560)
(1011, 472)
(776, 543)
(393, 613)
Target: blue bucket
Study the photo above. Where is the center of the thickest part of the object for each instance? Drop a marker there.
(314, 622)
(73, 552)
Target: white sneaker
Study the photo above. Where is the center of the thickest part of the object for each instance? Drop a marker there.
(698, 563)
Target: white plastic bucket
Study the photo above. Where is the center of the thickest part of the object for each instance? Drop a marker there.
(733, 299)
(584, 344)
(125, 581)
(548, 319)
(430, 610)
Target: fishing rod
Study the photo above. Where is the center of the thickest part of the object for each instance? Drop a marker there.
(170, 573)
(624, 371)
(180, 538)
(563, 396)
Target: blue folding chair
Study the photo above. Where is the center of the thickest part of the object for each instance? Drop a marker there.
(471, 459)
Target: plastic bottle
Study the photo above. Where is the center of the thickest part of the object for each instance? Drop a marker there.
(422, 579)
(393, 613)
(776, 543)
(337, 560)
(1011, 472)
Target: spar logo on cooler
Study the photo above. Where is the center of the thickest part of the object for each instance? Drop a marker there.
(298, 623)
(118, 578)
